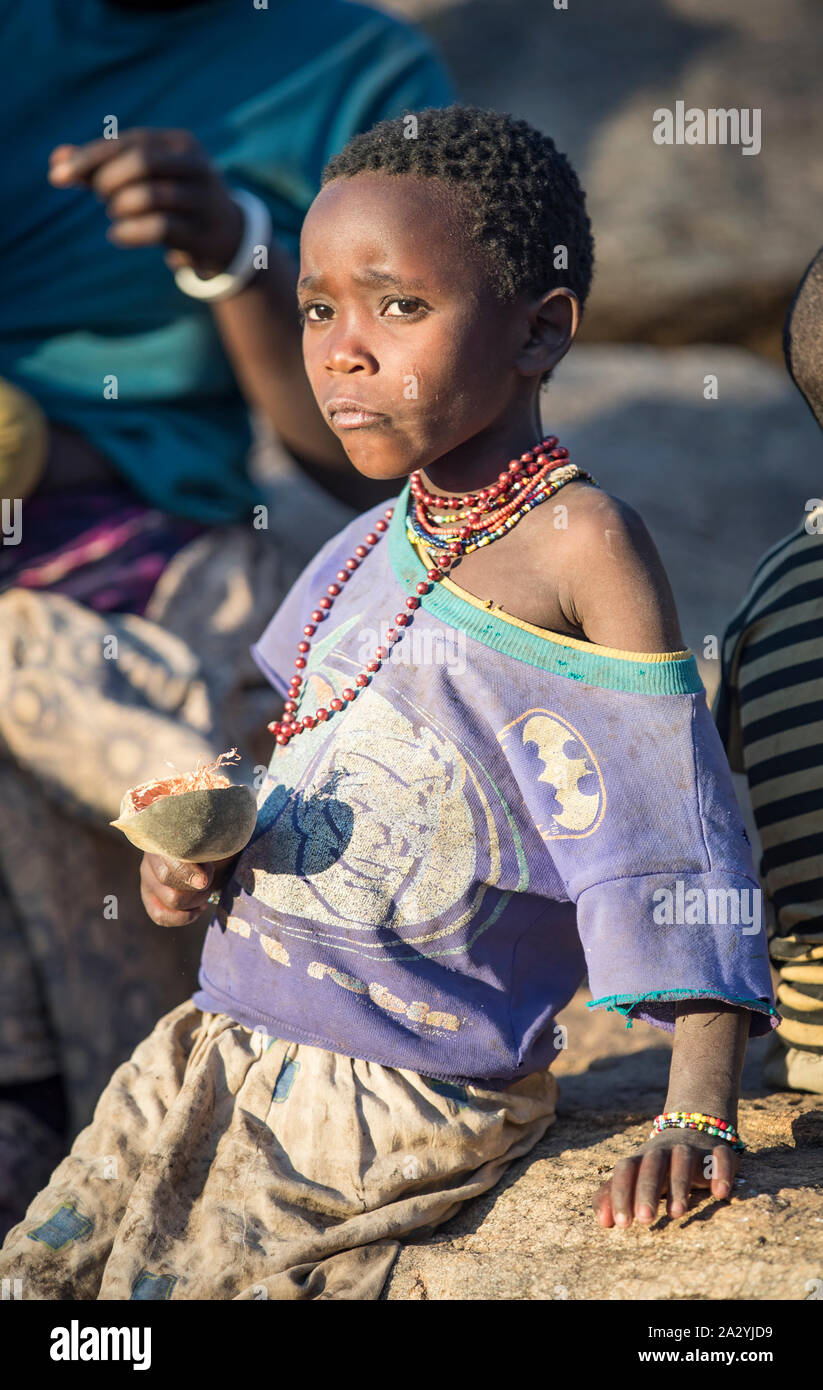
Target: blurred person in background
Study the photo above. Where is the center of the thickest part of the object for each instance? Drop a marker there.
(162, 160)
(769, 710)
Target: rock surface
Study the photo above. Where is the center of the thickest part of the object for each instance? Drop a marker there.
(695, 242)
(535, 1237)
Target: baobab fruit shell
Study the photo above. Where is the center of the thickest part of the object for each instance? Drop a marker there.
(194, 826)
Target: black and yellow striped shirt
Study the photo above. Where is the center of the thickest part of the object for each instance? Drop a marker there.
(769, 712)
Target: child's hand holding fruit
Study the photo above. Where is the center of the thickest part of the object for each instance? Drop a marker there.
(175, 892)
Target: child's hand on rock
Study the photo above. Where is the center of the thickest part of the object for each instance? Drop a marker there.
(676, 1161)
(175, 892)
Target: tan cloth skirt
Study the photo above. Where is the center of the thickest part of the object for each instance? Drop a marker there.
(225, 1164)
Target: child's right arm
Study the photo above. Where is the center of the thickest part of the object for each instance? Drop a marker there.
(174, 892)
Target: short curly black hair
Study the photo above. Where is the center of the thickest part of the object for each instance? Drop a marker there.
(524, 201)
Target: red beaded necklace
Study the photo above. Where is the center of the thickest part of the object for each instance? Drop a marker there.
(474, 520)
(480, 512)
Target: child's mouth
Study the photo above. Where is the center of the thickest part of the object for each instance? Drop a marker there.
(350, 415)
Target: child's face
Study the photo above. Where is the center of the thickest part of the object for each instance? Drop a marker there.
(400, 321)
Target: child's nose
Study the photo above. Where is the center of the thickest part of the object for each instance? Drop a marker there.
(348, 353)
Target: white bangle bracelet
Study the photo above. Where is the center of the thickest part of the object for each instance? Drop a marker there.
(256, 232)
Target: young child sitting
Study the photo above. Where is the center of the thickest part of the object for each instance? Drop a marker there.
(493, 748)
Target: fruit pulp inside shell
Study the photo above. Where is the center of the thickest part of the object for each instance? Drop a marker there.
(204, 778)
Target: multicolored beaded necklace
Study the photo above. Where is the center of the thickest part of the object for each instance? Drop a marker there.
(450, 529)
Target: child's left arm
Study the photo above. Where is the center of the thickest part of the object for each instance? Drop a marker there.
(650, 884)
(709, 1046)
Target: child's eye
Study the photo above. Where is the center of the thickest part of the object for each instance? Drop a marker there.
(408, 307)
(312, 312)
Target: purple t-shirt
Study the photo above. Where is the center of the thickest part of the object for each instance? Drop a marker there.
(435, 867)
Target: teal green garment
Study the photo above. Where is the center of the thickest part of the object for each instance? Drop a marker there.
(271, 93)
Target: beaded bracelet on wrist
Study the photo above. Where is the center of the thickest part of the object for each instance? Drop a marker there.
(694, 1119)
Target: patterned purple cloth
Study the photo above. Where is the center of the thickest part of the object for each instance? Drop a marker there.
(435, 866)
(95, 545)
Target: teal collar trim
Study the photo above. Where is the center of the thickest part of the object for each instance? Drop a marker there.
(680, 676)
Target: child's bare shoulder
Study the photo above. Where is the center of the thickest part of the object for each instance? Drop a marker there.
(597, 521)
(613, 584)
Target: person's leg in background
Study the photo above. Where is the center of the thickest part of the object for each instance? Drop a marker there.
(794, 1060)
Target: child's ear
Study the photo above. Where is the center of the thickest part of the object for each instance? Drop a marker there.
(553, 320)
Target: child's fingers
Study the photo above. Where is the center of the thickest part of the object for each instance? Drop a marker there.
(723, 1170)
(716, 1169)
(174, 883)
(168, 917)
(176, 900)
(174, 893)
(622, 1190)
(650, 1182)
(683, 1160)
(602, 1203)
(633, 1192)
